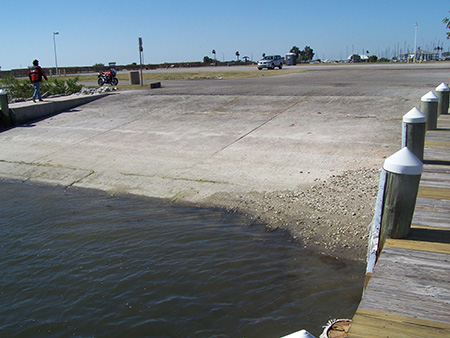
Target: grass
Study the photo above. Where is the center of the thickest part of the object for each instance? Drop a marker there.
(123, 77)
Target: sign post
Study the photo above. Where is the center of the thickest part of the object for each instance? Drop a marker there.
(141, 50)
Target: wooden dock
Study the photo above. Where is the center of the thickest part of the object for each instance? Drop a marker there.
(408, 294)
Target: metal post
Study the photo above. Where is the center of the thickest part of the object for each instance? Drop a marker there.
(442, 92)
(5, 116)
(413, 132)
(141, 50)
(429, 106)
(415, 42)
(54, 47)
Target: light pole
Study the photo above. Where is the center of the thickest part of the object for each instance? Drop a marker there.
(415, 42)
(54, 47)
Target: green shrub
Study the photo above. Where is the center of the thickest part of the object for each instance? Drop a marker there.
(54, 87)
(16, 89)
(72, 86)
(20, 90)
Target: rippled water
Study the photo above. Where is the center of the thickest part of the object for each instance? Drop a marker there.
(86, 264)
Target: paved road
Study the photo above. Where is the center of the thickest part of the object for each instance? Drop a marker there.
(191, 140)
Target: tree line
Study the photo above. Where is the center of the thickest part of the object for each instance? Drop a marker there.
(305, 55)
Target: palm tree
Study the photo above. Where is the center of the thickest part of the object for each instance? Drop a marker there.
(214, 53)
(237, 55)
(446, 21)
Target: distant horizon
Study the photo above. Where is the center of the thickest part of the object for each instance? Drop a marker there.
(218, 60)
(250, 63)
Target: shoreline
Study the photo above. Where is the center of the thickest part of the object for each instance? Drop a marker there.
(332, 217)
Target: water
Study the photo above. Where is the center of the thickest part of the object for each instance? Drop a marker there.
(86, 264)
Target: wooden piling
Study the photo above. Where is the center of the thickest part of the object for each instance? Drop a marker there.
(403, 171)
(429, 106)
(442, 92)
(413, 132)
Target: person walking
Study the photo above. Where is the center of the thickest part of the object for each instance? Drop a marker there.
(36, 73)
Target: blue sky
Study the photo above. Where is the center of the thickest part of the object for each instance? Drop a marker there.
(100, 31)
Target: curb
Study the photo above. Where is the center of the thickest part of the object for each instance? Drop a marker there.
(22, 113)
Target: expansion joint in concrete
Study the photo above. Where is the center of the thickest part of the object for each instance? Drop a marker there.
(276, 114)
(197, 180)
(80, 179)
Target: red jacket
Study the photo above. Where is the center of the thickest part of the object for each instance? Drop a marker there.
(36, 73)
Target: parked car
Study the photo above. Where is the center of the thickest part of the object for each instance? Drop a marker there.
(270, 62)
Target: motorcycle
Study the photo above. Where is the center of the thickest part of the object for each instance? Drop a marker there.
(108, 77)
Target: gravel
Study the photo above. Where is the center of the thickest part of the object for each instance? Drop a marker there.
(331, 217)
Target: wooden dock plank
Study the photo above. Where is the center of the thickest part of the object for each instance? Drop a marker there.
(410, 283)
(442, 125)
(433, 201)
(432, 204)
(432, 213)
(437, 176)
(367, 323)
(435, 155)
(432, 192)
(437, 144)
(419, 245)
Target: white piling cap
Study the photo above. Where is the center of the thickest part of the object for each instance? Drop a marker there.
(442, 88)
(300, 334)
(403, 162)
(414, 116)
(430, 97)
